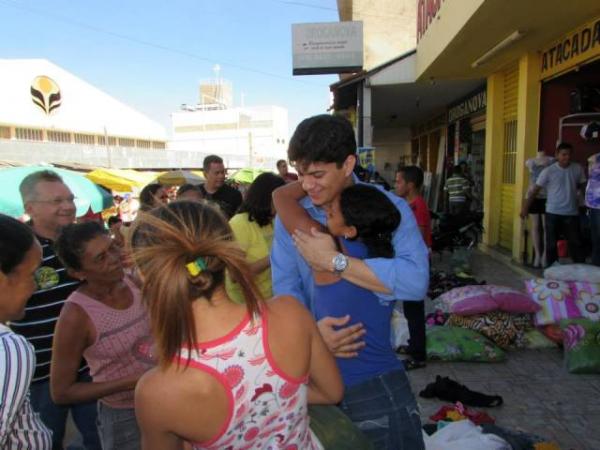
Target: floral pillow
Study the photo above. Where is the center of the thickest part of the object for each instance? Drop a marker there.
(512, 300)
(582, 345)
(587, 299)
(459, 344)
(467, 300)
(555, 298)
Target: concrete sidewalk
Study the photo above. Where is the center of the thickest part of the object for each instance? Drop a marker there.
(540, 396)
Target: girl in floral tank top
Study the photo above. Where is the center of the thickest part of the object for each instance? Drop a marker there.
(230, 375)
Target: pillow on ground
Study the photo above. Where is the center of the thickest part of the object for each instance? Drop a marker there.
(587, 299)
(497, 326)
(535, 339)
(468, 300)
(582, 345)
(512, 300)
(573, 272)
(459, 344)
(555, 298)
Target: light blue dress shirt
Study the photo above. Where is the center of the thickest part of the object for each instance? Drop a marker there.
(406, 275)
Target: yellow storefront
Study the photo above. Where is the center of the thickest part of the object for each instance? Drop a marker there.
(516, 46)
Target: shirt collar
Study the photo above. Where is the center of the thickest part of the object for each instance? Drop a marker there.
(4, 328)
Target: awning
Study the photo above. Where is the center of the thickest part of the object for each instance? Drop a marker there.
(121, 180)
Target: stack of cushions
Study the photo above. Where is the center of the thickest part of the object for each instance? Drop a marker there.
(459, 344)
(499, 313)
(570, 309)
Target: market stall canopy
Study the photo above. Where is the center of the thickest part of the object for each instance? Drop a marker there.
(87, 194)
(179, 177)
(120, 180)
(247, 175)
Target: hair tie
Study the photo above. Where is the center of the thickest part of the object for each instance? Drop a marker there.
(196, 266)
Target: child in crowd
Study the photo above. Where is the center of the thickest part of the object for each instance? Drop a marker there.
(362, 221)
(409, 180)
(105, 322)
(231, 375)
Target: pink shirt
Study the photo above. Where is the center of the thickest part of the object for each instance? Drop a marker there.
(267, 407)
(123, 342)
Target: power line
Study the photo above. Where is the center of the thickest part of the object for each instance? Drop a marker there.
(382, 15)
(57, 17)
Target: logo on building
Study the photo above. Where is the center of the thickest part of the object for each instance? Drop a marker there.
(45, 93)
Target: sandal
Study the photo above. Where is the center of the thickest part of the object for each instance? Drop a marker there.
(412, 364)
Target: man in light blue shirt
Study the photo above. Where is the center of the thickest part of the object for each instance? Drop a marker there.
(325, 162)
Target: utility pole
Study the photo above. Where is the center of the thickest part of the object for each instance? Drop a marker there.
(250, 150)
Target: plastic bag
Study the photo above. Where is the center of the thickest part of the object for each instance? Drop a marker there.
(464, 435)
(573, 272)
(399, 333)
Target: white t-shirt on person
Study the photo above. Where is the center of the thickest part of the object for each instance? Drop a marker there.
(561, 188)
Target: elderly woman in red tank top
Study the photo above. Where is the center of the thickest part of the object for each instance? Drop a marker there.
(105, 322)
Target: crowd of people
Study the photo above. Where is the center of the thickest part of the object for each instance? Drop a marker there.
(220, 321)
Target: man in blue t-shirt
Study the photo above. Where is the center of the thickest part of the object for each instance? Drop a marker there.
(561, 181)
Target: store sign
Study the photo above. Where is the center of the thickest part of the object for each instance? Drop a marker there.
(45, 93)
(471, 105)
(575, 48)
(426, 11)
(319, 48)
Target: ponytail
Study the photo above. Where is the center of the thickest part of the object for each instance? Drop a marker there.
(164, 241)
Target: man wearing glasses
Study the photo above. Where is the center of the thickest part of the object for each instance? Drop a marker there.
(51, 205)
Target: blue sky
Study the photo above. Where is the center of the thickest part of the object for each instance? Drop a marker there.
(152, 54)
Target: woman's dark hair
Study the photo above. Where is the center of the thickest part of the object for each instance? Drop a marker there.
(164, 241)
(147, 196)
(16, 239)
(71, 242)
(187, 187)
(258, 203)
(373, 215)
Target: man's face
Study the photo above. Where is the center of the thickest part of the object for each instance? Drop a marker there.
(283, 169)
(323, 182)
(563, 157)
(215, 176)
(401, 185)
(52, 206)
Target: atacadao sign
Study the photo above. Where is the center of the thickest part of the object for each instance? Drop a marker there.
(335, 47)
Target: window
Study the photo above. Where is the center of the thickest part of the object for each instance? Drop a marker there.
(158, 145)
(140, 143)
(125, 142)
(28, 134)
(58, 136)
(88, 139)
(4, 132)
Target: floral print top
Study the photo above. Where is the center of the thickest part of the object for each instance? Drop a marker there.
(592, 192)
(268, 408)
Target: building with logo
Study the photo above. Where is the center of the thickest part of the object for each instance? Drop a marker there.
(244, 136)
(541, 60)
(48, 114)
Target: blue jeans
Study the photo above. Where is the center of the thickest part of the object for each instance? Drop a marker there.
(595, 232)
(55, 416)
(385, 410)
(118, 428)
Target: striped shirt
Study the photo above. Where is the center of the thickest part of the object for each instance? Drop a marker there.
(457, 188)
(20, 426)
(44, 306)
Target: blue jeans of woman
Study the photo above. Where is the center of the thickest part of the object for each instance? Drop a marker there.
(118, 428)
(385, 410)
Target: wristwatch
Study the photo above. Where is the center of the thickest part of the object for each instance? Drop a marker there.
(340, 263)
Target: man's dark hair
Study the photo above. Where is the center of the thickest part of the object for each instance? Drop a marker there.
(323, 138)
(187, 187)
(280, 162)
(457, 170)
(71, 242)
(16, 239)
(258, 203)
(564, 146)
(374, 216)
(113, 220)
(210, 159)
(412, 174)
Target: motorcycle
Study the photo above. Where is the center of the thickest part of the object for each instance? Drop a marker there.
(452, 232)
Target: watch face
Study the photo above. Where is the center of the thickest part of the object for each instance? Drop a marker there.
(340, 262)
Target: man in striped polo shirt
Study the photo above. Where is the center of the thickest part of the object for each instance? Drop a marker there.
(51, 205)
(458, 189)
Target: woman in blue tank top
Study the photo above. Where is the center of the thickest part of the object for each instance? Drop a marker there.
(378, 397)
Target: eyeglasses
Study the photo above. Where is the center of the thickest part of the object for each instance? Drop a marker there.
(58, 201)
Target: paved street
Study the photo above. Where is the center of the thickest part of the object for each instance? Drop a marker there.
(539, 395)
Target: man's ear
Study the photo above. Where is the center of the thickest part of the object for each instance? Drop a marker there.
(28, 206)
(349, 164)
